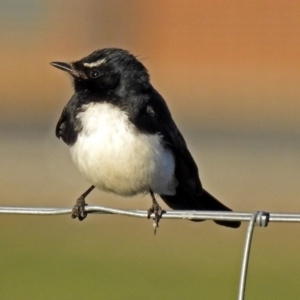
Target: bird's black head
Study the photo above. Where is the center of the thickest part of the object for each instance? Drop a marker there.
(107, 71)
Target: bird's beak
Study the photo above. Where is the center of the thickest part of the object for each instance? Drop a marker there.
(69, 68)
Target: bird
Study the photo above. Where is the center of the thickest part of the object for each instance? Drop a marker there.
(123, 139)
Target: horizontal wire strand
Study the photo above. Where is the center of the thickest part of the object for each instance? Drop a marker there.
(170, 214)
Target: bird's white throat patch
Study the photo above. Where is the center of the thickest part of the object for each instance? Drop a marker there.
(115, 157)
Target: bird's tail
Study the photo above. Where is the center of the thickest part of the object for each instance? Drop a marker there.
(203, 202)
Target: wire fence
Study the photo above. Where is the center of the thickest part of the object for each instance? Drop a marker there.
(258, 218)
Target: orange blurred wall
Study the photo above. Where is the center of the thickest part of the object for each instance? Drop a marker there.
(232, 64)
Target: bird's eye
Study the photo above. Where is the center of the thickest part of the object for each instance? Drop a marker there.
(94, 73)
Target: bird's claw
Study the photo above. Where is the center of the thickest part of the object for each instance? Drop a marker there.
(78, 210)
(158, 212)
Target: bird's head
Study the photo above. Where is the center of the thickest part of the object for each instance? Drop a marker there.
(105, 71)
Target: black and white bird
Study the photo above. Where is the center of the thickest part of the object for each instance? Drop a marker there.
(123, 139)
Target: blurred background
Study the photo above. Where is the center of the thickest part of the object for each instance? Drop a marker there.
(229, 71)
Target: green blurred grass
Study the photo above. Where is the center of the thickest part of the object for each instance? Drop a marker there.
(54, 258)
(113, 257)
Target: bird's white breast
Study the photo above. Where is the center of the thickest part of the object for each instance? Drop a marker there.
(115, 157)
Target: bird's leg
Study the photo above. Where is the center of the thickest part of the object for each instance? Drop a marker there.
(78, 210)
(156, 209)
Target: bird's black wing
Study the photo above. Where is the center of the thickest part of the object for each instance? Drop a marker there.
(161, 121)
(68, 126)
(156, 117)
(60, 130)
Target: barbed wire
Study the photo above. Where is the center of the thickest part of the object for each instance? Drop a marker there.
(258, 218)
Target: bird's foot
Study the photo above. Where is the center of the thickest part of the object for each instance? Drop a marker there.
(78, 210)
(158, 212)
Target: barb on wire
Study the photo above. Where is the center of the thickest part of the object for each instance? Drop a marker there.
(261, 219)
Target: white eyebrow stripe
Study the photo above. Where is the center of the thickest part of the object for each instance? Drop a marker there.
(95, 64)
